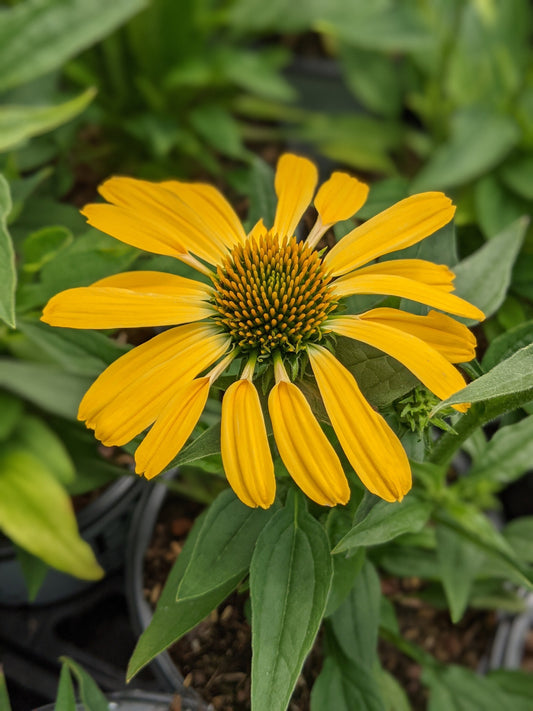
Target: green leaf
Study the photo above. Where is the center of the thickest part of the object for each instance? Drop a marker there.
(8, 274)
(205, 445)
(355, 624)
(382, 379)
(36, 512)
(517, 683)
(519, 533)
(33, 435)
(224, 546)
(18, 123)
(174, 618)
(43, 385)
(506, 344)
(517, 175)
(394, 696)
(484, 277)
(290, 576)
(261, 193)
(65, 697)
(34, 571)
(373, 78)
(10, 413)
(91, 696)
(345, 567)
(457, 553)
(4, 696)
(496, 207)
(480, 139)
(345, 685)
(506, 386)
(42, 246)
(386, 521)
(54, 31)
(218, 129)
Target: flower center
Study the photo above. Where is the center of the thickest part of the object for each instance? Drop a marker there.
(271, 296)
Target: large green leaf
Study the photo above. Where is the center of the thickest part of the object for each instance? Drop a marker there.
(386, 521)
(506, 386)
(18, 123)
(44, 385)
(38, 36)
(506, 344)
(480, 139)
(33, 435)
(36, 513)
(345, 567)
(290, 576)
(484, 277)
(8, 274)
(224, 546)
(496, 206)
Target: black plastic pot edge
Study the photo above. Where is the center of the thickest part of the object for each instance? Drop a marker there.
(134, 700)
(142, 526)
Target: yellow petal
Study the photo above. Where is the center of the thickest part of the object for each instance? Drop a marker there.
(295, 184)
(427, 364)
(244, 446)
(258, 230)
(128, 396)
(400, 226)
(339, 198)
(438, 275)
(443, 333)
(391, 285)
(172, 428)
(165, 224)
(370, 445)
(215, 210)
(304, 448)
(130, 300)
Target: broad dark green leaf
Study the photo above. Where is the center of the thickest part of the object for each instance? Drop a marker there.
(8, 274)
(345, 567)
(18, 123)
(480, 139)
(4, 696)
(459, 561)
(174, 618)
(345, 685)
(484, 277)
(224, 546)
(290, 577)
(394, 696)
(36, 513)
(386, 521)
(91, 696)
(517, 683)
(355, 624)
(44, 385)
(55, 31)
(65, 697)
(506, 344)
(519, 533)
(508, 385)
(261, 194)
(496, 207)
(11, 408)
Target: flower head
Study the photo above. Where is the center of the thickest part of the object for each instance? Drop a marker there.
(266, 300)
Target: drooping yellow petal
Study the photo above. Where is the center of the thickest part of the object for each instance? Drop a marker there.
(295, 184)
(304, 448)
(172, 428)
(132, 299)
(215, 210)
(443, 333)
(400, 226)
(244, 446)
(427, 364)
(370, 445)
(438, 275)
(148, 216)
(391, 285)
(339, 198)
(128, 396)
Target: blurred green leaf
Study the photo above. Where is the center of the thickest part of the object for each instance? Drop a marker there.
(18, 123)
(261, 194)
(258, 72)
(65, 697)
(42, 246)
(218, 129)
(373, 78)
(506, 344)
(34, 436)
(36, 512)
(38, 36)
(393, 694)
(517, 174)
(345, 567)
(91, 696)
(8, 274)
(10, 414)
(484, 277)
(480, 139)
(4, 696)
(34, 571)
(495, 206)
(519, 534)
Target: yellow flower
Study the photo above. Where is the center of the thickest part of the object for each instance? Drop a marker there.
(265, 299)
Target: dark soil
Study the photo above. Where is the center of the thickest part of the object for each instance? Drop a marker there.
(215, 657)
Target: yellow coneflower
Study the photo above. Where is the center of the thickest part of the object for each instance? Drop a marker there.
(270, 299)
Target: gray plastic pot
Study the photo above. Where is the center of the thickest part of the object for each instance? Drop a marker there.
(134, 700)
(510, 640)
(104, 524)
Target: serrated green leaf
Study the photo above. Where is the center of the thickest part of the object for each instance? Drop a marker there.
(55, 31)
(8, 274)
(65, 697)
(91, 696)
(36, 513)
(290, 576)
(484, 277)
(386, 521)
(18, 123)
(224, 546)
